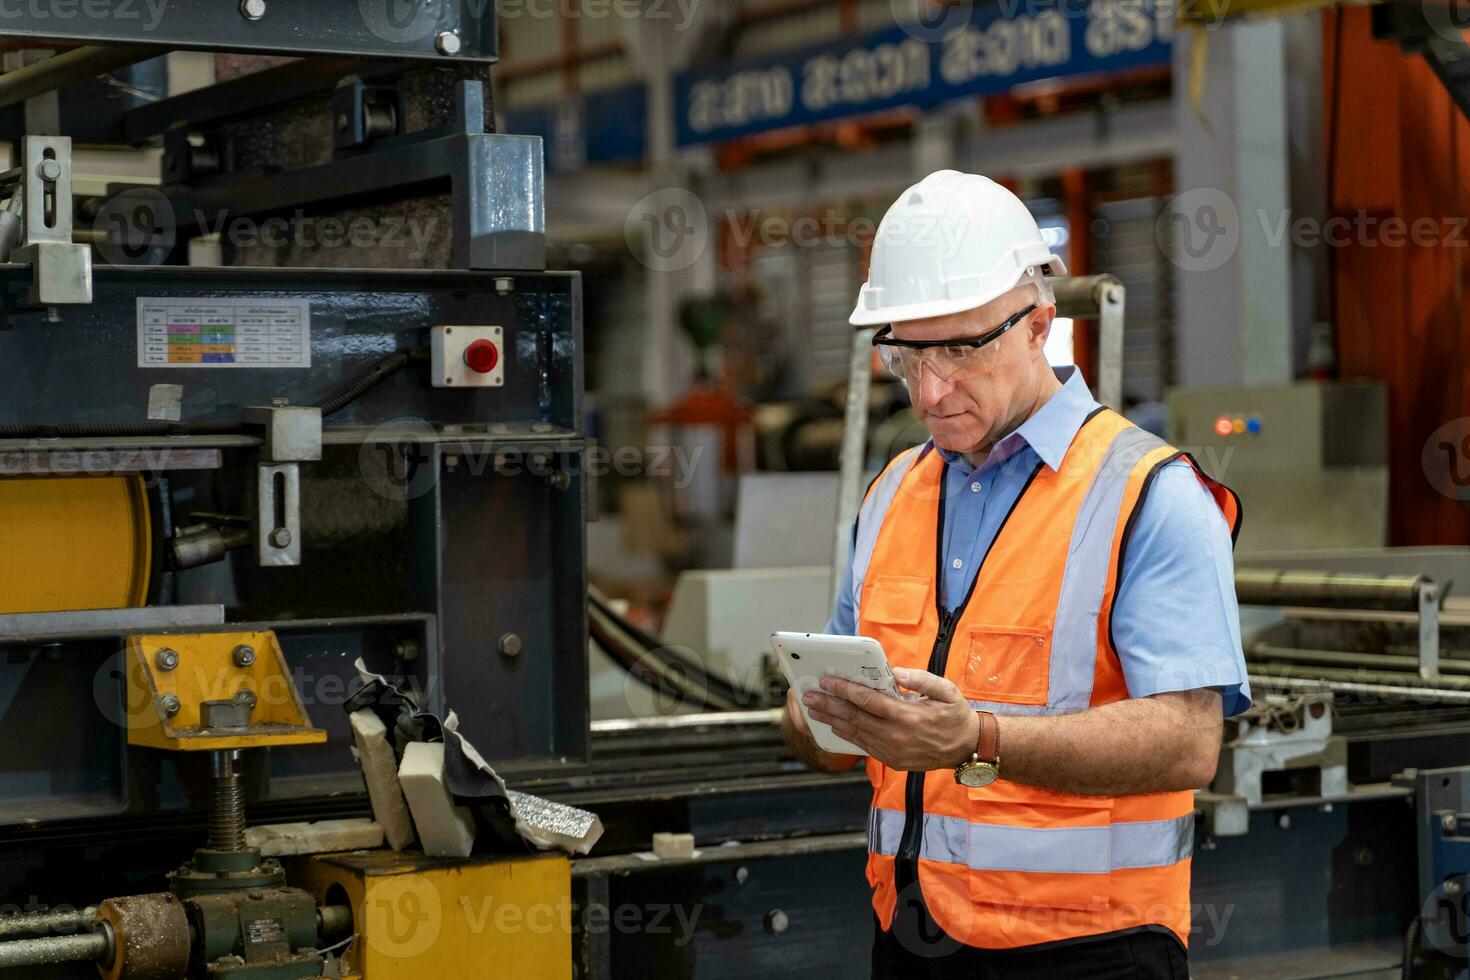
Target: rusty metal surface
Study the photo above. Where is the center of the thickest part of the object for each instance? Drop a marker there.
(150, 937)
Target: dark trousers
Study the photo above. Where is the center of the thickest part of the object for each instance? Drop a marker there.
(920, 950)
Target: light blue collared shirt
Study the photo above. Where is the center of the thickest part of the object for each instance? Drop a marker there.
(1175, 620)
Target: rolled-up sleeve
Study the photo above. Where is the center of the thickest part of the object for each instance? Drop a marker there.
(1175, 622)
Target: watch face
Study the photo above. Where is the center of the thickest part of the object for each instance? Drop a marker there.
(976, 776)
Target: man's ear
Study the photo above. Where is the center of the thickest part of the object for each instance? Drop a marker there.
(1039, 327)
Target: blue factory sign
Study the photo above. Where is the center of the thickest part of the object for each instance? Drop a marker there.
(993, 48)
(601, 126)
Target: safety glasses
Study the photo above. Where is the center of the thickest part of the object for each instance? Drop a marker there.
(956, 356)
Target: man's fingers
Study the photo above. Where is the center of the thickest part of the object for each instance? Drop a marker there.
(927, 684)
(865, 698)
(793, 711)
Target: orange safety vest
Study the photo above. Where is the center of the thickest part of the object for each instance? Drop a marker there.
(1012, 865)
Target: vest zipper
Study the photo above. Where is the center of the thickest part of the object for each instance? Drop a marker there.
(913, 817)
(906, 861)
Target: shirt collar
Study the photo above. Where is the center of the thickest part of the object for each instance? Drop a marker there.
(1051, 428)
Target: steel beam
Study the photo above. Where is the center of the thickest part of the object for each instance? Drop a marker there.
(433, 30)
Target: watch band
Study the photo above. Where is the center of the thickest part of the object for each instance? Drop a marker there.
(989, 747)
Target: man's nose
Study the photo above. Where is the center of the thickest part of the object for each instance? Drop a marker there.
(932, 387)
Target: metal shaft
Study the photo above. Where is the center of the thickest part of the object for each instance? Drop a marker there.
(1388, 692)
(52, 949)
(61, 69)
(1331, 590)
(43, 923)
(1293, 658)
(227, 814)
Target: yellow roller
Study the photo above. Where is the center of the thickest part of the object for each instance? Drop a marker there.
(73, 542)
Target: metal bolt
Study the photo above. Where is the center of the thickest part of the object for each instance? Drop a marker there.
(243, 656)
(342, 121)
(49, 170)
(1449, 822)
(252, 9)
(245, 696)
(1454, 886)
(742, 875)
(166, 659)
(447, 42)
(1284, 821)
(171, 705)
(280, 538)
(510, 644)
(406, 649)
(1363, 857)
(777, 921)
(559, 480)
(504, 285)
(451, 462)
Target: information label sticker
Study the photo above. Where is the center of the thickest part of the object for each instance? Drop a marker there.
(223, 332)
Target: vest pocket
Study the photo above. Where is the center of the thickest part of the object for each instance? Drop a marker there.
(1032, 854)
(1007, 664)
(898, 600)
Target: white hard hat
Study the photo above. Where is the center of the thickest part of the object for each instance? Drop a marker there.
(951, 242)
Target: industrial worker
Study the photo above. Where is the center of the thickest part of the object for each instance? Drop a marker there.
(1054, 588)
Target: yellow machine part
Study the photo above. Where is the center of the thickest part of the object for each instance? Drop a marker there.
(73, 542)
(418, 917)
(203, 667)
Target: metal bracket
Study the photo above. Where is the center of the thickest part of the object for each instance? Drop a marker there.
(61, 271)
(278, 514)
(1428, 601)
(293, 433)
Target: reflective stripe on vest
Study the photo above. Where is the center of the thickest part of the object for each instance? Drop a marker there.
(870, 519)
(1043, 850)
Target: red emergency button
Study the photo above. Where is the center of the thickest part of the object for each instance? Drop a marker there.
(481, 356)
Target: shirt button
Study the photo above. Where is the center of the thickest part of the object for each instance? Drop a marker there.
(957, 564)
(975, 487)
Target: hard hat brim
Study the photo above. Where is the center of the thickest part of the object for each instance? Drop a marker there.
(942, 307)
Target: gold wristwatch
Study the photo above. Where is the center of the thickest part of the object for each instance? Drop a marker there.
(983, 767)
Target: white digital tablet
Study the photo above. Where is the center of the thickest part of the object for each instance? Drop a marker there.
(806, 658)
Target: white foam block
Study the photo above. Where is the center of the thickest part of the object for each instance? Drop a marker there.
(380, 770)
(321, 837)
(445, 830)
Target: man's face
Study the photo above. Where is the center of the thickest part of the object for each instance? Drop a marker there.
(967, 409)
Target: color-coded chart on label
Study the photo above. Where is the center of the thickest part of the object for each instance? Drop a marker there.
(224, 331)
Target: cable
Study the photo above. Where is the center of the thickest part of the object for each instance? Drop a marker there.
(1411, 946)
(645, 665)
(670, 657)
(383, 369)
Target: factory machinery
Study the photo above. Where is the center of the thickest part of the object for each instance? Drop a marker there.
(220, 487)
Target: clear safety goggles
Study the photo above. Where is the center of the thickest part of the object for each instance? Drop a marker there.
(955, 357)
